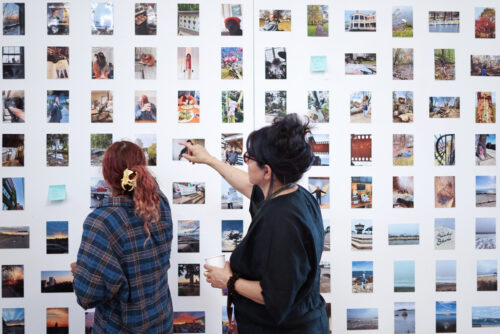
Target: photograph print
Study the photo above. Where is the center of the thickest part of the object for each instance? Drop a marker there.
(99, 142)
(485, 22)
(361, 149)
(485, 65)
(448, 22)
(101, 110)
(188, 236)
(486, 191)
(13, 320)
(361, 234)
(402, 150)
(188, 279)
(101, 18)
(446, 275)
(320, 189)
(404, 318)
(178, 150)
(444, 233)
(361, 192)
(402, 64)
(274, 104)
(232, 17)
(444, 64)
(188, 192)
(57, 237)
(13, 62)
(485, 149)
(485, 316)
(444, 149)
(275, 62)
(13, 281)
(486, 233)
(360, 63)
(57, 281)
(361, 107)
(57, 320)
(232, 106)
(188, 63)
(446, 317)
(318, 106)
(362, 276)
(402, 107)
(12, 193)
(320, 144)
(487, 275)
(99, 190)
(444, 107)
(57, 62)
(189, 322)
(230, 197)
(145, 18)
(13, 18)
(402, 21)
(188, 106)
(325, 277)
(232, 63)
(232, 148)
(57, 149)
(485, 107)
(102, 63)
(57, 106)
(14, 237)
(145, 63)
(444, 191)
(362, 318)
(58, 18)
(317, 20)
(12, 150)
(148, 144)
(403, 192)
(275, 20)
(360, 20)
(231, 234)
(13, 106)
(145, 107)
(403, 234)
(404, 276)
(188, 19)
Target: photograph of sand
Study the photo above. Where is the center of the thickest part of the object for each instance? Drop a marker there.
(486, 191)
(485, 316)
(444, 233)
(486, 235)
(487, 275)
(446, 275)
(362, 318)
(362, 276)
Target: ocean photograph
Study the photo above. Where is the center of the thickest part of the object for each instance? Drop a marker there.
(486, 235)
(404, 318)
(404, 234)
(446, 275)
(485, 316)
(404, 276)
(446, 317)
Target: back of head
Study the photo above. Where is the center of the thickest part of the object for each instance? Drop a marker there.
(127, 155)
(283, 146)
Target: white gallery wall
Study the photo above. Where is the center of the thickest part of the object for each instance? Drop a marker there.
(299, 81)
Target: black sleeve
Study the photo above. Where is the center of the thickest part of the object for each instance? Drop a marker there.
(287, 267)
(256, 199)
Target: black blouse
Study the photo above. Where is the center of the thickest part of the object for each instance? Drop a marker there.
(282, 250)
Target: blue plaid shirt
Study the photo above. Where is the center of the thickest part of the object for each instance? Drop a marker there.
(124, 280)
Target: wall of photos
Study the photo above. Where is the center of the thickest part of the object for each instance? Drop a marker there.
(402, 95)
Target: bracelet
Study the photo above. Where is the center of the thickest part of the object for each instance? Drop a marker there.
(230, 284)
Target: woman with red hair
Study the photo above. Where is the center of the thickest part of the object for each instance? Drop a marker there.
(123, 259)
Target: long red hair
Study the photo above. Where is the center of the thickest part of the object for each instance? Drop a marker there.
(117, 158)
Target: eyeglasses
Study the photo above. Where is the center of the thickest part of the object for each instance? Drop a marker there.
(247, 157)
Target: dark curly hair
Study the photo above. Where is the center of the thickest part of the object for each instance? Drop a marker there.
(283, 146)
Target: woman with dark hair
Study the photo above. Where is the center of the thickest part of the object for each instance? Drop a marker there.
(124, 255)
(273, 276)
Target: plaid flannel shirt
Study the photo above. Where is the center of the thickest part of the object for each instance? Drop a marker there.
(124, 280)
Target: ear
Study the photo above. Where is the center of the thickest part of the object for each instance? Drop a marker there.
(268, 172)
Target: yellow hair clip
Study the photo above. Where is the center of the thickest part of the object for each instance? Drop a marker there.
(127, 181)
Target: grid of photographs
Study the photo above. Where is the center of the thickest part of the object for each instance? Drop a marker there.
(276, 67)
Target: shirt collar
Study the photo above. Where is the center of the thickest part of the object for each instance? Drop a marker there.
(116, 201)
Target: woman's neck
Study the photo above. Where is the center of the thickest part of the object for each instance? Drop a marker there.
(277, 186)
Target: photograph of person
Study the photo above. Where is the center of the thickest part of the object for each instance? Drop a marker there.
(102, 63)
(232, 106)
(230, 197)
(57, 320)
(188, 19)
(12, 150)
(402, 107)
(362, 277)
(13, 18)
(275, 61)
(101, 19)
(232, 147)
(13, 62)
(275, 20)
(13, 193)
(58, 18)
(277, 156)
(485, 65)
(13, 106)
(232, 20)
(188, 106)
(145, 18)
(58, 106)
(101, 110)
(178, 149)
(188, 63)
(145, 63)
(145, 108)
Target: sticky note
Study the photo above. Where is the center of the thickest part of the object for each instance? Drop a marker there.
(318, 64)
(57, 192)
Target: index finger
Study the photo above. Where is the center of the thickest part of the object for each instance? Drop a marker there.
(185, 144)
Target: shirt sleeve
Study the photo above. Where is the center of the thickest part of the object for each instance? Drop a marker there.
(98, 275)
(287, 268)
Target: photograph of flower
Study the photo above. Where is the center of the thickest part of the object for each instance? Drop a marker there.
(13, 320)
(231, 63)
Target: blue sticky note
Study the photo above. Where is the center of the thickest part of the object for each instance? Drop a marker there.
(318, 64)
(57, 192)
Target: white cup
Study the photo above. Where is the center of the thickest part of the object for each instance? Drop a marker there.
(216, 261)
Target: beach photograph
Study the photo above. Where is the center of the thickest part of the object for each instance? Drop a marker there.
(485, 149)
(57, 281)
(402, 64)
(444, 191)
(231, 234)
(403, 234)
(402, 21)
(360, 63)
(57, 150)
(361, 192)
(444, 21)
(318, 106)
(446, 317)
(362, 276)
(13, 281)
(188, 192)
(188, 279)
(486, 191)
(13, 321)
(444, 106)
(444, 233)
(402, 192)
(361, 234)
(446, 275)
(360, 107)
(485, 107)
(404, 276)
(189, 322)
(361, 149)
(57, 237)
(99, 142)
(325, 277)
(485, 316)
(487, 275)
(404, 318)
(402, 150)
(362, 318)
(188, 236)
(486, 235)
(13, 193)
(326, 227)
(320, 144)
(402, 107)
(230, 197)
(57, 320)
(14, 237)
(444, 150)
(320, 189)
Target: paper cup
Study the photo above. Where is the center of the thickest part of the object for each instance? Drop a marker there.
(216, 261)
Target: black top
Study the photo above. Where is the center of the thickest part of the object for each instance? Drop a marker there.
(282, 250)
